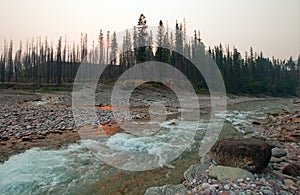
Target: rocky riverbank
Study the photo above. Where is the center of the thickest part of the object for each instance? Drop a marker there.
(32, 119)
(249, 165)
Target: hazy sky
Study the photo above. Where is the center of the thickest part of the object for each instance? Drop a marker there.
(271, 26)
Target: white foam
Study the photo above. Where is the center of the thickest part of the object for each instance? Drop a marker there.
(38, 171)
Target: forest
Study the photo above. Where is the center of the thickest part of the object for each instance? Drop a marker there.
(44, 62)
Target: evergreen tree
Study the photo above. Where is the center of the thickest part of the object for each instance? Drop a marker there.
(101, 47)
(18, 63)
(58, 61)
(9, 72)
(114, 49)
(159, 54)
(142, 36)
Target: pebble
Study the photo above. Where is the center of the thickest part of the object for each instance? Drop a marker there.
(224, 193)
(276, 160)
(240, 180)
(205, 186)
(227, 187)
(267, 192)
(294, 188)
(289, 182)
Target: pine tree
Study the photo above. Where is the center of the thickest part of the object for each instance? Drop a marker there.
(114, 49)
(2, 69)
(127, 54)
(149, 47)
(159, 54)
(142, 36)
(101, 47)
(9, 72)
(18, 63)
(58, 61)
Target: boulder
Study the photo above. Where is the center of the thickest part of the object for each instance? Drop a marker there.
(292, 169)
(167, 190)
(224, 173)
(246, 153)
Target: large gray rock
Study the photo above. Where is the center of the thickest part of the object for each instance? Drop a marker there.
(167, 190)
(277, 152)
(223, 173)
(245, 153)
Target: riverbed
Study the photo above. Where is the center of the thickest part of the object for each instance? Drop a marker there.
(74, 169)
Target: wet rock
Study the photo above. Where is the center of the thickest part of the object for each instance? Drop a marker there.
(224, 193)
(205, 186)
(167, 190)
(4, 138)
(192, 171)
(246, 153)
(277, 152)
(256, 123)
(289, 182)
(276, 160)
(292, 169)
(40, 137)
(227, 187)
(223, 173)
(267, 192)
(26, 138)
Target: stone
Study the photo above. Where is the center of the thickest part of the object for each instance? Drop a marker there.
(246, 153)
(26, 138)
(289, 182)
(205, 186)
(227, 187)
(293, 188)
(224, 193)
(189, 174)
(243, 185)
(296, 120)
(292, 169)
(240, 180)
(278, 153)
(256, 123)
(224, 173)
(4, 138)
(276, 160)
(267, 192)
(166, 190)
(40, 137)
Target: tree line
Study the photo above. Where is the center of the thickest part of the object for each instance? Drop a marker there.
(41, 61)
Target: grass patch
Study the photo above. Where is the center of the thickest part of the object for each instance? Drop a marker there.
(37, 87)
(47, 89)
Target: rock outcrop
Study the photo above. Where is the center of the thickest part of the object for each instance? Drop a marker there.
(245, 153)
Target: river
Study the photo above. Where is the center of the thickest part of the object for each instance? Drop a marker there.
(75, 170)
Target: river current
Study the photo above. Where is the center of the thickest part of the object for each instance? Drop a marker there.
(75, 170)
